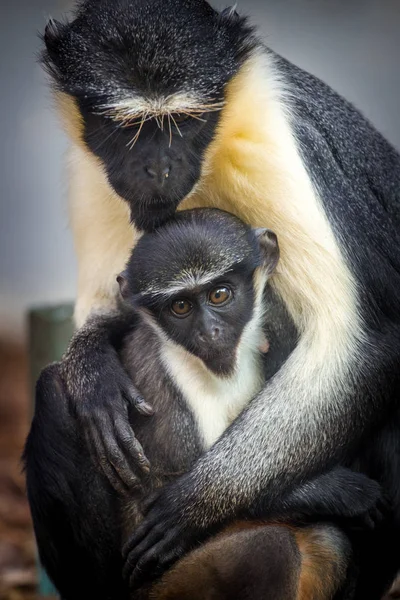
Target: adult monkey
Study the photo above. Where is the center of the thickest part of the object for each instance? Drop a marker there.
(283, 151)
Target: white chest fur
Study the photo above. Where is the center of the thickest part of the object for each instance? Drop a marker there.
(216, 401)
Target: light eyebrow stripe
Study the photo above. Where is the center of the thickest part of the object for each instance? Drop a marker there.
(188, 282)
(129, 109)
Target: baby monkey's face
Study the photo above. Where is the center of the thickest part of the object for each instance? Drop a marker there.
(199, 279)
(207, 320)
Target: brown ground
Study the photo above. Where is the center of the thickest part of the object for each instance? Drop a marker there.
(17, 550)
(18, 575)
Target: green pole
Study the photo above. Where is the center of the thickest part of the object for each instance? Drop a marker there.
(50, 329)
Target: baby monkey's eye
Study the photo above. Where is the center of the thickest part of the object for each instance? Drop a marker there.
(219, 295)
(181, 307)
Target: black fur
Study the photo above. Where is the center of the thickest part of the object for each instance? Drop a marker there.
(184, 45)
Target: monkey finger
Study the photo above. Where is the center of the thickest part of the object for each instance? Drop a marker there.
(139, 534)
(151, 561)
(149, 566)
(106, 466)
(145, 570)
(150, 502)
(169, 559)
(110, 452)
(133, 557)
(130, 445)
(132, 394)
(113, 477)
(143, 407)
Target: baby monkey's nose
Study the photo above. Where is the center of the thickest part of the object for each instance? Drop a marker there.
(214, 334)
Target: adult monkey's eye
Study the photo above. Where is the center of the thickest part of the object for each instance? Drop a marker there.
(219, 295)
(181, 307)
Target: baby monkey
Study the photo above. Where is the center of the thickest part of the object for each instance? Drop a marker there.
(199, 354)
(198, 285)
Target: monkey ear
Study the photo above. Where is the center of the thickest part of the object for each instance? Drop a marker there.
(123, 285)
(269, 247)
(53, 34)
(229, 15)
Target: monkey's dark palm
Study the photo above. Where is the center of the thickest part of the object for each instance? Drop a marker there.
(99, 393)
(168, 532)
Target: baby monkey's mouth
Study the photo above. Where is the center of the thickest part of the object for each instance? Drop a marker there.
(222, 364)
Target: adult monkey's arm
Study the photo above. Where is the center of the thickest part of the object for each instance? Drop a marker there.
(99, 392)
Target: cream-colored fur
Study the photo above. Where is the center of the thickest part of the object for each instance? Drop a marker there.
(99, 218)
(215, 401)
(103, 236)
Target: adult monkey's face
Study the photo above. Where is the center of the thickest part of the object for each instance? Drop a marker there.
(148, 77)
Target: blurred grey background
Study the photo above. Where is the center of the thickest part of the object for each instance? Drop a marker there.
(354, 45)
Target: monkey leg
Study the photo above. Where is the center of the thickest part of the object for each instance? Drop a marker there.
(261, 562)
(75, 512)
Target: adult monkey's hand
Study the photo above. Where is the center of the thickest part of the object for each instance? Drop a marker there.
(172, 526)
(100, 393)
